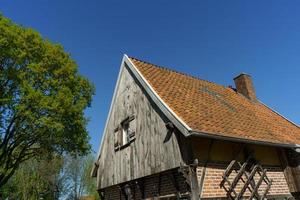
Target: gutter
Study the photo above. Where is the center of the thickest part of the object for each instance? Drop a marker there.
(296, 147)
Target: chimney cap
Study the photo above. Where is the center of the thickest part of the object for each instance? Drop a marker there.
(241, 74)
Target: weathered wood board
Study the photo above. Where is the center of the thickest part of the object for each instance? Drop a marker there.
(150, 152)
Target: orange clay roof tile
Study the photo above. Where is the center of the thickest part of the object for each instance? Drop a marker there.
(210, 108)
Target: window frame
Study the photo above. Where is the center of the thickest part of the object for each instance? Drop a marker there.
(124, 135)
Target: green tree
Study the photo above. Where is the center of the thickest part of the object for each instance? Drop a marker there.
(78, 172)
(42, 99)
(89, 181)
(36, 179)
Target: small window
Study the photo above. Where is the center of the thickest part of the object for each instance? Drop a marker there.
(125, 133)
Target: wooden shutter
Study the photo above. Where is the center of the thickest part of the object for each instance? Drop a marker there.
(132, 128)
(118, 137)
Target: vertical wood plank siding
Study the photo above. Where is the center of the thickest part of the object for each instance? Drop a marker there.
(151, 152)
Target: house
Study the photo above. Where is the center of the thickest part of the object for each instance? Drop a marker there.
(173, 136)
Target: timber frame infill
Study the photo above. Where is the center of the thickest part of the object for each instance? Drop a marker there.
(177, 183)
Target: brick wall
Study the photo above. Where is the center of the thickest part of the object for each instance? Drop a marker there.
(158, 185)
(161, 185)
(213, 178)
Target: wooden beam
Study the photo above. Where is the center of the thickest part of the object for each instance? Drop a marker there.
(255, 190)
(140, 185)
(128, 192)
(159, 184)
(190, 174)
(266, 190)
(290, 161)
(249, 179)
(101, 194)
(175, 183)
(195, 191)
(168, 196)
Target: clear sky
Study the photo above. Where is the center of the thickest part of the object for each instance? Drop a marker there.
(213, 40)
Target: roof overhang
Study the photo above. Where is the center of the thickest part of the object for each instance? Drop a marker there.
(242, 140)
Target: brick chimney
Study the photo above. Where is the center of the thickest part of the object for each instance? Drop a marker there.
(244, 85)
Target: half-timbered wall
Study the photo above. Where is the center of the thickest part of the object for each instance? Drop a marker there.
(214, 157)
(213, 177)
(153, 150)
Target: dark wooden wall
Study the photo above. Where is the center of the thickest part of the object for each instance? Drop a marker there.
(153, 150)
(291, 164)
(218, 151)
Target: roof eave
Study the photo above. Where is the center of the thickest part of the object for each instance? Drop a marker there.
(241, 140)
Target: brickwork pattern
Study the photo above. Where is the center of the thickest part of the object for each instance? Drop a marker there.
(162, 185)
(151, 187)
(213, 178)
(244, 85)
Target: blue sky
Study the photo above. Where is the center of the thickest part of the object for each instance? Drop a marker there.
(213, 40)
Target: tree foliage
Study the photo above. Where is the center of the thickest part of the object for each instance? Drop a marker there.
(36, 179)
(58, 177)
(77, 169)
(42, 99)
(90, 182)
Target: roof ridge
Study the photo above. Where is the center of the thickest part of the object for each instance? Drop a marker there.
(175, 71)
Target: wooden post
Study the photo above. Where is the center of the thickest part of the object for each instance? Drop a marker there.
(101, 194)
(190, 174)
(128, 192)
(159, 184)
(141, 187)
(175, 184)
(290, 160)
(195, 191)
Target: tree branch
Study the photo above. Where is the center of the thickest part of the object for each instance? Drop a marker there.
(8, 133)
(13, 165)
